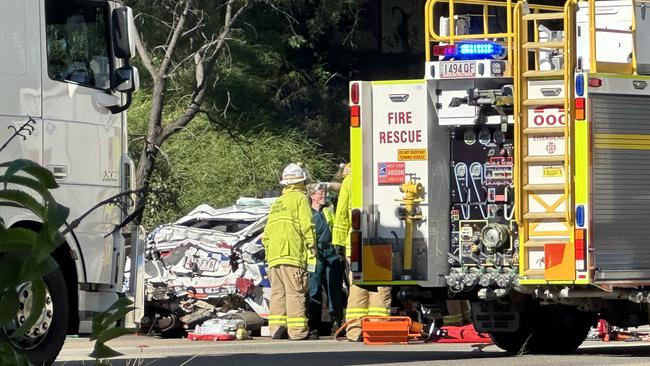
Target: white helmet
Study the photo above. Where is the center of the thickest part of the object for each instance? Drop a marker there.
(293, 174)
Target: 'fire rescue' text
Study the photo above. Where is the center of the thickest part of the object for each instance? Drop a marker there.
(398, 137)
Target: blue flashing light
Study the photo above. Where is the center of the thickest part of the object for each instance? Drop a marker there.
(580, 216)
(479, 50)
(580, 85)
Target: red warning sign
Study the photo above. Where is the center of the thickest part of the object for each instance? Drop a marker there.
(391, 173)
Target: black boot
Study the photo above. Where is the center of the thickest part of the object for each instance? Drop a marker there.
(313, 335)
(281, 333)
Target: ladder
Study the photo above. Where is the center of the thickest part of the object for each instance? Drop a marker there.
(543, 166)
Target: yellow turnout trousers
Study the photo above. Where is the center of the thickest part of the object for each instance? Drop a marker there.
(363, 302)
(289, 285)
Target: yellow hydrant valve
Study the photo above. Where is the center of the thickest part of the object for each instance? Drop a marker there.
(413, 193)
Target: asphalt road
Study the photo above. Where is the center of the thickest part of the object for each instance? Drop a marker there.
(145, 351)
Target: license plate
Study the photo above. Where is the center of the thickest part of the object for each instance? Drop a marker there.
(457, 69)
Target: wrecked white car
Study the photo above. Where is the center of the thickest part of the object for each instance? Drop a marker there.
(208, 262)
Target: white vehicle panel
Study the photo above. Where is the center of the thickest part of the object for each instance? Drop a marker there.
(613, 21)
(89, 153)
(20, 72)
(98, 252)
(397, 125)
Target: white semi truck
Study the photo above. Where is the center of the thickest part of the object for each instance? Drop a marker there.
(513, 174)
(66, 83)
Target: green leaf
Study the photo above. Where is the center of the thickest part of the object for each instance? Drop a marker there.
(111, 319)
(33, 270)
(32, 168)
(9, 304)
(14, 239)
(38, 303)
(104, 320)
(113, 333)
(24, 200)
(30, 183)
(44, 244)
(10, 266)
(119, 303)
(103, 351)
(9, 356)
(98, 325)
(56, 216)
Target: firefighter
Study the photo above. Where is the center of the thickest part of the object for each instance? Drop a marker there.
(459, 313)
(289, 241)
(329, 271)
(361, 302)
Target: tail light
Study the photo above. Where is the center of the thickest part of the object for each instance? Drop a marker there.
(355, 241)
(355, 251)
(356, 219)
(355, 116)
(595, 82)
(354, 93)
(580, 108)
(580, 243)
(443, 51)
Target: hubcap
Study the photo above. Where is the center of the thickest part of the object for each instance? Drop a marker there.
(36, 334)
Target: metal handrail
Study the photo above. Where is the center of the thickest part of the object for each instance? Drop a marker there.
(432, 36)
(569, 63)
(517, 119)
(593, 64)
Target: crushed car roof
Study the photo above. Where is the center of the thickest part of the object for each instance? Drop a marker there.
(245, 208)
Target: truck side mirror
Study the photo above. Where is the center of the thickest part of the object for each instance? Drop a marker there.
(123, 28)
(127, 79)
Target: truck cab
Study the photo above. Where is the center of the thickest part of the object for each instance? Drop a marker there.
(67, 84)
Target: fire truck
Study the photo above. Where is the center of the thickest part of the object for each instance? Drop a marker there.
(66, 86)
(513, 174)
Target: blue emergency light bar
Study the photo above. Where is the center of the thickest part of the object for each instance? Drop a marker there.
(470, 51)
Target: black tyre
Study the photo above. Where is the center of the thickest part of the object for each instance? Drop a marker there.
(514, 342)
(547, 330)
(559, 330)
(44, 341)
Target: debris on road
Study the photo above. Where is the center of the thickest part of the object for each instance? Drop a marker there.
(607, 333)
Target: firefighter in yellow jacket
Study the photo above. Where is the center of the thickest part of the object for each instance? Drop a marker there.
(289, 241)
(361, 302)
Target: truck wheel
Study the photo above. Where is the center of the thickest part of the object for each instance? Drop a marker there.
(44, 341)
(514, 342)
(559, 330)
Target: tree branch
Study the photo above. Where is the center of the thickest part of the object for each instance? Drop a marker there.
(171, 47)
(204, 72)
(144, 55)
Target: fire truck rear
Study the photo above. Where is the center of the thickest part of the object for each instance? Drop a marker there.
(511, 175)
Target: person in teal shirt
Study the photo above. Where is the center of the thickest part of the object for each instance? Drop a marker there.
(329, 272)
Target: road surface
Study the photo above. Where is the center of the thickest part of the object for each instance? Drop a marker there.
(141, 351)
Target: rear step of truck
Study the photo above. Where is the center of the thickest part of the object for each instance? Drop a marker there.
(542, 151)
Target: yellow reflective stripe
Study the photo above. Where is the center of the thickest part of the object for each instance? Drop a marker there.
(452, 319)
(277, 319)
(355, 312)
(286, 260)
(282, 219)
(296, 322)
(379, 311)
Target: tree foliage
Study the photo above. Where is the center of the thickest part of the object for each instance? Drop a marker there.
(278, 94)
